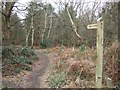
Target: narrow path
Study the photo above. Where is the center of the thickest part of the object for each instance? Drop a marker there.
(35, 78)
(38, 70)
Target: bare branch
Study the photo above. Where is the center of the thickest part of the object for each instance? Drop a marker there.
(3, 13)
(73, 24)
(21, 9)
(23, 19)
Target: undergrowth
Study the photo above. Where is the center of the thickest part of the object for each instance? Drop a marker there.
(16, 59)
(79, 65)
(58, 79)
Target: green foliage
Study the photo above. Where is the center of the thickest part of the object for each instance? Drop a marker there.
(21, 60)
(47, 43)
(43, 45)
(17, 70)
(27, 51)
(82, 48)
(19, 57)
(7, 52)
(57, 79)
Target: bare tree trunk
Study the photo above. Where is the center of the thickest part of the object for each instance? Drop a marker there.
(7, 14)
(50, 27)
(7, 31)
(27, 36)
(73, 24)
(45, 25)
(32, 27)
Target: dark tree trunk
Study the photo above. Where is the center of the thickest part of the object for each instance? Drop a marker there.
(7, 29)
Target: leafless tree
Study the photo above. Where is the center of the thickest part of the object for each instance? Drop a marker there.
(32, 23)
(7, 8)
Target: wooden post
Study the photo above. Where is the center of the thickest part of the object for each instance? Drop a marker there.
(99, 44)
(99, 64)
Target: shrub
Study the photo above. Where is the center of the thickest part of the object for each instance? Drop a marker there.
(16, 59)
(21, 60)
(47, 43)
(27, 51)
(7, 52)
(82, 48)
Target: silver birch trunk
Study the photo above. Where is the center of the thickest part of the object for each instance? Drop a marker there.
(45, 25)
(32, 27)
(27, 36)
(50, 27)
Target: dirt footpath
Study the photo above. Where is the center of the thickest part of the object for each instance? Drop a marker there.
(34, 79)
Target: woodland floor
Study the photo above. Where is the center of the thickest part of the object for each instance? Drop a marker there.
(56, 61)
(34, 79)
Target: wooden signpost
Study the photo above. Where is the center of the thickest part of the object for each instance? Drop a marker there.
(99, 65)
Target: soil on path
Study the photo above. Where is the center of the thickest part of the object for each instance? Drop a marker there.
(34, 79)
